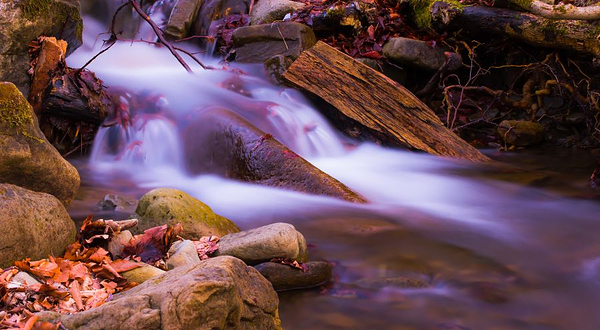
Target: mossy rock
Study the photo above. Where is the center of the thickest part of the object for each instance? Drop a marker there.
(32, 225)
(171, 206)
(27, 159)
(22, 21)
(521, 133)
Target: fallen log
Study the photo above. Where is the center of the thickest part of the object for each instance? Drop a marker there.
(576, 35)
(376, 102)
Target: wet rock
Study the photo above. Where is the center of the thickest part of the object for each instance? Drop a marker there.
(171, 206)
(182, 253)
(32, 225)
(278, 240)
(22, 21)
(521, 133)
(218, 293)
(27, 159)
(214, 10)
(117, 243)
(113, 202)
(268, 11)
(142, 274)
(182, 18)
(261, 42)
(284, 277)
(219, 141)
(402, 282)
(414, 53)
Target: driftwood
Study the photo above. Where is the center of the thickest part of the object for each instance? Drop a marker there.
(576, 35)
(375, 101)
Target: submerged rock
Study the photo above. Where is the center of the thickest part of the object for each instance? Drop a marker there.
(221, 142)
(218, 293)
(182, 253)
(401, 282)
(520, 133)
(284, 277)
(27, 159)
(414, 53)
(268, 11)
(261, 42)
(171, 206)
(278, 240)
(32, 225)
(22, 21)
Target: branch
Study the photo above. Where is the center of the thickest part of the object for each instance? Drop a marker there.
(159, 34)
(560, 11)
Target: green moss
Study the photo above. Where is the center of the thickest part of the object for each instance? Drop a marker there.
(525, 4)
(33, 8)
(422, 10)
(554, 27)
(14, 110)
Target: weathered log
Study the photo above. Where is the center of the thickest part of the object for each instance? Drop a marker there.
(375, 101)
(577, 35)
(77, 95)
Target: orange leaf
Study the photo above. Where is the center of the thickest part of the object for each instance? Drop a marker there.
(76, 294)
(123, 265)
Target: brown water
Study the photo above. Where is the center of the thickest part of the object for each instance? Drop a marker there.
(408, 269)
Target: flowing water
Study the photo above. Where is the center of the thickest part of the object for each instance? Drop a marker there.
(442, 244)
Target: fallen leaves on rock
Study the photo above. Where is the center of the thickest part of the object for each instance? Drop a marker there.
(292, 263)
(86, 276)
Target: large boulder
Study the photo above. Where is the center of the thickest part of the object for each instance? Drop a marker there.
(221, 142)
(261, 42)
(27, 159)
(22, 21)
(212, 11)
(268, 11)
(218, 293)
(32, 225)
(171, 206)
(277, 240)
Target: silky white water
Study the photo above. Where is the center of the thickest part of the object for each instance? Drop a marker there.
(549, 240)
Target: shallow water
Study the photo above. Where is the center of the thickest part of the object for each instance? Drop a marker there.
(442, 244)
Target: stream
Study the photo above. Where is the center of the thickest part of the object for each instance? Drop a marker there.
(443, 244)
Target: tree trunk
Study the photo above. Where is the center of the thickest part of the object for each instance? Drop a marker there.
(580, 36)
(375, 101)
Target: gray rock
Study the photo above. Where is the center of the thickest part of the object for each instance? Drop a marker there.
(414, 53)
(117, 243)
(142, 274)
(521, 133)
(32, 225)
(278, 240)
(182, 18)
(171, 206)
(27, 159)
(276, 67)
(182, 253)
(261, 42)
(213, 10)
(22, 21)
(284, 277)
(268, 11)
(218, 293)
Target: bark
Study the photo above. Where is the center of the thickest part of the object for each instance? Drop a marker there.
(375, 101)
(576, 35)
(560, 11)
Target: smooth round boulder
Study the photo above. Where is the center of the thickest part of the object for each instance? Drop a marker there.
(278, 240)
(171, 206)
(32, 225)
(27, 159)
(284, 277)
